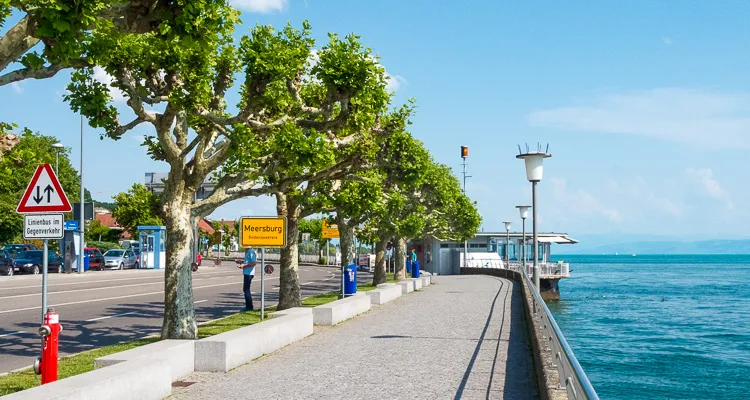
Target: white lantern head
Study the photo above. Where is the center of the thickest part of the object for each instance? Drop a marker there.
(534, 160)
(524, 210)
(58, 146)
(507, 225)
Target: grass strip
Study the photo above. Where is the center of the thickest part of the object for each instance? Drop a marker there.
(84, 362)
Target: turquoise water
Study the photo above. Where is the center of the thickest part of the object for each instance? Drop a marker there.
(659, 327)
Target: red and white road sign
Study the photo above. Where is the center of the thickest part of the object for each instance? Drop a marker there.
(44, 194)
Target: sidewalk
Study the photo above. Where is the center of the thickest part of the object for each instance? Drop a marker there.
(462, 338)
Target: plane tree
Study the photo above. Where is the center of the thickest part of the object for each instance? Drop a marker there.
(291, 114)
(43, 37)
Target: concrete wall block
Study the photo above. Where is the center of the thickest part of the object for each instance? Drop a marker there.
(340, 310)
(406, 286)
(386, 292)
(138, 379)
(417, 282)
(179, 354)
(426, 280)
(231, 349)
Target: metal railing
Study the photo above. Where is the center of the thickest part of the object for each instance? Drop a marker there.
(572, 377)
(561, 269)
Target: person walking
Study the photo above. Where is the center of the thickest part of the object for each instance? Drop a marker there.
(248, 273)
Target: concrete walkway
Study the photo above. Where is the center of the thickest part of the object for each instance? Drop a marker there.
(463, 337)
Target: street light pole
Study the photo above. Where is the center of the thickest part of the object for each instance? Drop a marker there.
(464, 155)
(57, 146)
(507, 243)
(534, 170)
(524, 210)
(82, 227)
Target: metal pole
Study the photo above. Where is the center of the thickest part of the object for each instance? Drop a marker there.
(536, 243)
(45, 259)
(523, 242)
(507, 247)
(262, 282)
(57, 163)
(83, 211)
(328, 244)
(343, 295)
(466, 243)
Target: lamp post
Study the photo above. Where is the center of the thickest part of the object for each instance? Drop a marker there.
(524, 210)
(507, 243)
(464, 155)
(534, 170)
(82, 227)
(221, 241)
(57, 146)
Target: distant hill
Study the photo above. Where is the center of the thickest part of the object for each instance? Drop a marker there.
(659, 247)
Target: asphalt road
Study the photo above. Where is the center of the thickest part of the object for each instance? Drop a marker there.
(108, 307)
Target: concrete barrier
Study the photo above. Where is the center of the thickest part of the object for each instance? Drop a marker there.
(426, 280)
(340, 310)
(179, 354)
(384, 293)
(231, 349)
(417, 282)
(138, 379)
(407, 286)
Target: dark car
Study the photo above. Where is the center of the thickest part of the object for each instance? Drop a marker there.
(96, 259)
(30, 261)
(6, 263)
(14, 249)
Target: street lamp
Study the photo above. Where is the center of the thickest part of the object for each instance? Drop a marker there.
(524, 210)
(57, 146)
(221, 240)
(534, 169)
(507, 243)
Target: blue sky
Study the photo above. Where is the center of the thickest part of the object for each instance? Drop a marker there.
(645, 105)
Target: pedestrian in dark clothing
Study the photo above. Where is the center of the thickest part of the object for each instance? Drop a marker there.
(248, 273)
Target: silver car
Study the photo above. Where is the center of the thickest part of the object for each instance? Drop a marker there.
(119, 259)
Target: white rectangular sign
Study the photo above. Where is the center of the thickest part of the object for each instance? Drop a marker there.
(43, 226)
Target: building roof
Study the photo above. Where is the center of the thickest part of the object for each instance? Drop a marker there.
(108, 220)
(542, 237)
(206, 226)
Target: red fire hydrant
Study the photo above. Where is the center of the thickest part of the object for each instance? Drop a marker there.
(46, 365)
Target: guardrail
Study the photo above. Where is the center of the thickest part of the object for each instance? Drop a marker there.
(572, 377)
(561, 269)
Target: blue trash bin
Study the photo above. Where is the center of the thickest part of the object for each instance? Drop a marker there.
(415, 269)
(408, 265)
(86, 262)
(350, 280)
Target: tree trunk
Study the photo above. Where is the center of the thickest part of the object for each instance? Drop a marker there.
(400, 256)
(346, 233)
(179, 309)
(379, 276)
(289, 292)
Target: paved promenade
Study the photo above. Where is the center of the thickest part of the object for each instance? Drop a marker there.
(462, 337)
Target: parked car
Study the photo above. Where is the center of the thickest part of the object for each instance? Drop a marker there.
(96, 259)
(30, 261)
(13, 249)
(119, 259)
(6, 263)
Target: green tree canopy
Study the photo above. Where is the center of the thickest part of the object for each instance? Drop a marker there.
(136, 207)
(17, 169)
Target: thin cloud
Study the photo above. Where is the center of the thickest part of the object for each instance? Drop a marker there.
(712, 187)
(16, 87)
(700, 118)
(395, 82)
(260, 6)
(581, 202)
(666, 40)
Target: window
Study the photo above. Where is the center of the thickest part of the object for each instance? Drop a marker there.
(444, 245)
(2, 255)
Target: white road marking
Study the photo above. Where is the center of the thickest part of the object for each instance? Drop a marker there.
(12, 334)
(117, 297)
(98, 288)
(199, 301)
(111, 316)
(106, 280)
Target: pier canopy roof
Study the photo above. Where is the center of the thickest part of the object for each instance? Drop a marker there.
(546, 237)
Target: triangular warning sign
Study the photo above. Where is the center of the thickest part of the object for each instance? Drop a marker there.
(44, 193)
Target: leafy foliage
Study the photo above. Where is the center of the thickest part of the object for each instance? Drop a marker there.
(137, 206)
(16, 170)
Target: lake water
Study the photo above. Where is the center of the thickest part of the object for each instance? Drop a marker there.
(659, 326)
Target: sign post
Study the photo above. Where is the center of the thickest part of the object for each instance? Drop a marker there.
(44, 195)
(332, 232)
(263, 232)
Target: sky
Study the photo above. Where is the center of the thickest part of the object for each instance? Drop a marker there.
(645, 106)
